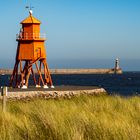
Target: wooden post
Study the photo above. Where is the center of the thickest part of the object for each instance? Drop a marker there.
(4, 94)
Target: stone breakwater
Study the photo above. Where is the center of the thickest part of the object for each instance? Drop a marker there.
(86, 71)
(74, 71)
(53, 94)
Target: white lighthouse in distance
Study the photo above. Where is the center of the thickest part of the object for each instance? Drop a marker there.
(117, 69)
(117, 64)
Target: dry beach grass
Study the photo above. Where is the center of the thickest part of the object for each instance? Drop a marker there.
(80, 118)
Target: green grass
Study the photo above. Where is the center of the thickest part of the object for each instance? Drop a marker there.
(79, 118)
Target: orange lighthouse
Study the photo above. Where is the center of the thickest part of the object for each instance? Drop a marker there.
(31, 51)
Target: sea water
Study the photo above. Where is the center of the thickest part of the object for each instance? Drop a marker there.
(125, 84)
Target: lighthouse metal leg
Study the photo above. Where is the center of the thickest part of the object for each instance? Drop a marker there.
(27, 77)
(21, 72)
(25, 73)
(47, 74)
(39, 73)
(17, 74)
(46, 83)
(25, 69)
(33, 76)
(39, 79)
(13, 75)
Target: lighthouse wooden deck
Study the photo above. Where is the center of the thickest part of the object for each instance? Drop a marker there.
(30, 51)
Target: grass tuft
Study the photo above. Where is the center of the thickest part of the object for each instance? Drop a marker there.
(79, 118)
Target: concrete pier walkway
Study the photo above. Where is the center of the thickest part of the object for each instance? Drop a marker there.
(57, 92)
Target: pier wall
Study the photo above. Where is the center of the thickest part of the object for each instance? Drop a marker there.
(74, 71)
(85, 71)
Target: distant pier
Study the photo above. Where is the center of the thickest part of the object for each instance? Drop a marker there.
(86, 71)
(75, 71)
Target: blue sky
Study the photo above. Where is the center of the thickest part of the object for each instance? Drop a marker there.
(81, 33)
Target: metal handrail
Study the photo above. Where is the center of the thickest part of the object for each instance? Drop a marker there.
(31, 36)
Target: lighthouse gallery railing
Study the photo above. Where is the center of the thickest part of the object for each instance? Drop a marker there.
(31, 36)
